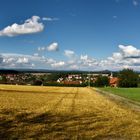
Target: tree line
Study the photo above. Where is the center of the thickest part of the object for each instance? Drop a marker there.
(126, 78)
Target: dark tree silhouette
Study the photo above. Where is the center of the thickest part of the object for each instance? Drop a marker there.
(102, 81)
(128, 78)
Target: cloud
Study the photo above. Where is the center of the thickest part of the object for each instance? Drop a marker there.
(49, 19)
(23, 60)
(84, 57)
(41, 48)
(30, 26)
(12, 60)
(126, 57)
(53, 47)
(18, 60)
(135, 2)
(115, 17)
(58, 64)
(1, 59)
(87, 61)
(69, 53)
(129, 51)
(36, 54)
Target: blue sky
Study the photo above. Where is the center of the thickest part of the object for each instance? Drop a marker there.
(70, 34)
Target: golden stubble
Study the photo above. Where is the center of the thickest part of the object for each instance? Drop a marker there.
(28, 112)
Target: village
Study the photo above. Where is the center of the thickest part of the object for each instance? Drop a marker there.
(44, 79)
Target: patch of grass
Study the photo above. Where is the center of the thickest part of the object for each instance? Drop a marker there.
(64, 113)
(130, 93)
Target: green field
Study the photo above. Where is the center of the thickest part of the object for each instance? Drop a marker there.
(130, 93)
(58, 113)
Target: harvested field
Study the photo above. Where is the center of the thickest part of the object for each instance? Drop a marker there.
(64, 113)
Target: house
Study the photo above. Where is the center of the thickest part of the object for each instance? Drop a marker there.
(71, 82)
(59, 80)
(113, 81)
(11, 77)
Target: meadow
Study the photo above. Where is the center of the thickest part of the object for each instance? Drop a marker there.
(57, 113)
(130, 93)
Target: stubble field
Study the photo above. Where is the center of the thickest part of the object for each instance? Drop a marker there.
(64, 113)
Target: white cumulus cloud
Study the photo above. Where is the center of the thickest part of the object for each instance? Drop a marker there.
(53, 47)
(58, 64)
(126, 57)
(129, 51)
(69, 53)
(30, 26)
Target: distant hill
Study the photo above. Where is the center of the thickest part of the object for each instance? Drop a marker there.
(3, 71)
(17, 71)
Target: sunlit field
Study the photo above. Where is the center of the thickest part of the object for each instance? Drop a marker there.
(130, 93)
(64, 113)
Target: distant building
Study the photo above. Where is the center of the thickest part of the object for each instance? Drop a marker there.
(98, 74)
(113, 82)
(59, 80)
(71, 82)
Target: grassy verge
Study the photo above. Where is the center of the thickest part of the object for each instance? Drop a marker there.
(130, 93)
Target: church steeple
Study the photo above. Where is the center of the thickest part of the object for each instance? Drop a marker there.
(111, 75)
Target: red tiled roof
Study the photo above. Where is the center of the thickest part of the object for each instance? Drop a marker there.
(113, 80)
(71, 82)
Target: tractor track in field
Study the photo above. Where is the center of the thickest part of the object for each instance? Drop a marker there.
(61, 100)
(73, 101)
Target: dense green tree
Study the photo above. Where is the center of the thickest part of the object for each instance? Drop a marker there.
(38, 82)
(3, 79)
(139, 82)
(128, 78)
(102, 81)
(30, 78)
(52, 77)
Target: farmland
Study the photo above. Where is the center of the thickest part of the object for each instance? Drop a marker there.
(28, 112)
(130, 93)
